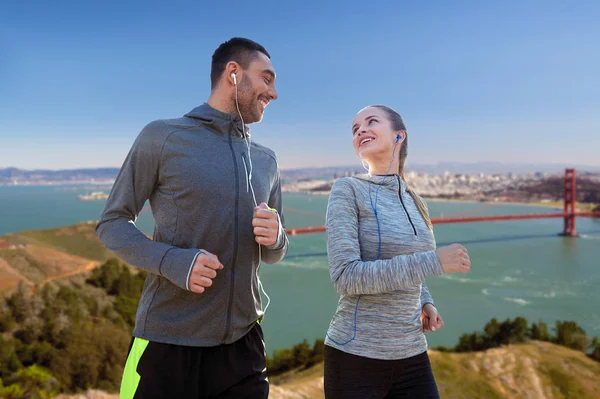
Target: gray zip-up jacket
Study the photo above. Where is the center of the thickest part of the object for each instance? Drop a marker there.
(194, 171)
(378, 315)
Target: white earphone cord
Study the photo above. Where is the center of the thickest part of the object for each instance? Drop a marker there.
(247, 140)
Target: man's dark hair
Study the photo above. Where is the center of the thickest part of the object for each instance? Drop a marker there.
(238, 49)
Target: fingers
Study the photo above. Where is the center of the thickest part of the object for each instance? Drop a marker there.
(202, 281)
(433, 325)
(266, 241)
(461, 260)
(454, 258)
(267, 207)
(263, 231)
(266, 226)
(437, 324)
(426, 326)
(466, 261)
(209, 260)
(204, 270)
(198, 289)
(465, 264)
(265, 222)
(433, 321)
(440, 322)
(263, 211)
(198, 284)
(269, 238)
(260, 213)
(460, 248)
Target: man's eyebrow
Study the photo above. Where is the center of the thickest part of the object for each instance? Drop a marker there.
(269, 72)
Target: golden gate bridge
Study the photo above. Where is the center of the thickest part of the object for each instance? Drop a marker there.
(569, 214)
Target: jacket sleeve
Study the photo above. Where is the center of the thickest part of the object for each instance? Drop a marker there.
(116, 229)
(425, 296)
(349, 273)
(276, 252)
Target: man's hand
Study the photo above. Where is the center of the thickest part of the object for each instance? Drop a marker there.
(204, 271)
(266, 225)
(431, 318)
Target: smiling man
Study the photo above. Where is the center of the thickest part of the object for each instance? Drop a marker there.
(216, 199)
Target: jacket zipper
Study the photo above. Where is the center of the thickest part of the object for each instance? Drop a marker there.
(235, 236)
(404, 206)
(246, 169)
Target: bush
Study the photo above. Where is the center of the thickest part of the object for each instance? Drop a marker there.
(9, 361)
(7, 321)
(299, 356)
(318, 353)
(13, 391)
(18, 304)
(33, 382)
(569, 334)
(595, 350)
(496, 334)
(539, 331)
(56, 346)
(444, 349)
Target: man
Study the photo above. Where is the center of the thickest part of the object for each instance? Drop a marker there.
(216, 200)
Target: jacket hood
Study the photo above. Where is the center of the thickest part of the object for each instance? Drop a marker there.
(220, 121)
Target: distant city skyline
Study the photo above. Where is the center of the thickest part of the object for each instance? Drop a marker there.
(467, 168)
(475, 82)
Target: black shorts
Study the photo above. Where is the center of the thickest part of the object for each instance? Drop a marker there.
(349, 376)
(164, 371)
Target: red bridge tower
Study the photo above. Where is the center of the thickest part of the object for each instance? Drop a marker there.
(570, 203)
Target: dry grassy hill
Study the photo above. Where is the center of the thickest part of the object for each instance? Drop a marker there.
(36, 257)
(534, 370)
(538, 370)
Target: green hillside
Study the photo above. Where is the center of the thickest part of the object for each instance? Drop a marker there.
(38, 257)
(532, 370)
(79, 240)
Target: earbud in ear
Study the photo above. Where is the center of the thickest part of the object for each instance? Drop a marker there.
(234, 79)
(398, 137)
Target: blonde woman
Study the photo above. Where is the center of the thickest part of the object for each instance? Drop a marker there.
(381, 248)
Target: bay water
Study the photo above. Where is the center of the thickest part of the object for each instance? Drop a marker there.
(519, 268)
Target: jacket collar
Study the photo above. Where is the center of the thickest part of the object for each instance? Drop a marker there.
(221, 122)
(392, 180)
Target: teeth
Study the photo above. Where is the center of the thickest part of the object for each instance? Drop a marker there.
(366, 140)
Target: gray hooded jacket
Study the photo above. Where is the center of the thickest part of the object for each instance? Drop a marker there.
(194, 170)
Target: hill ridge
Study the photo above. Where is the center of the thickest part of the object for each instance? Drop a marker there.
(510, 372)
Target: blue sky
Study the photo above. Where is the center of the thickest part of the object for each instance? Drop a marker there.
(507, 82)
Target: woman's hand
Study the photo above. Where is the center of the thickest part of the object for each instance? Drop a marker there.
(454, 259)
(431, 319)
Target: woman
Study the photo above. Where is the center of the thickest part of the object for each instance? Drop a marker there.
(381, 249)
